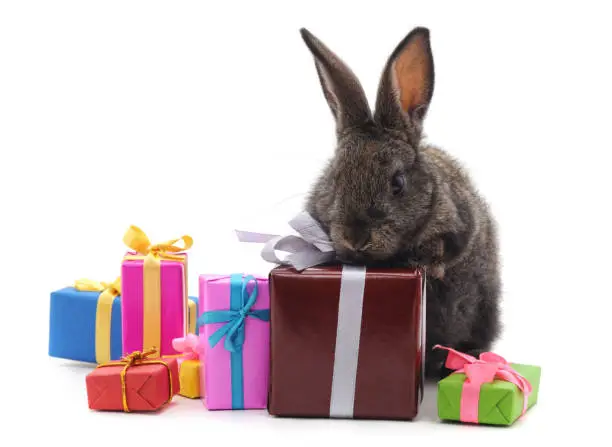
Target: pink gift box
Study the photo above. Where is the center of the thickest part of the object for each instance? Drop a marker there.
(216, 378)
(174, 307)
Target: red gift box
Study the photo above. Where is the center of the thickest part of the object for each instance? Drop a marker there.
(134, 383)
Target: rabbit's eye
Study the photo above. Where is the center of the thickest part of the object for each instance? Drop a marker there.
(398, 183)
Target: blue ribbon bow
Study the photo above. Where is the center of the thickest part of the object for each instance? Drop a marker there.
(233, 330)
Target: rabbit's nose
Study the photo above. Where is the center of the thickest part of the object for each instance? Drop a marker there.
(359, 244)
(363, 243)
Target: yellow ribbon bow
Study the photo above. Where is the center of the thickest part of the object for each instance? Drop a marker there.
(89, 285)
(104, 310)
(138, 358)
(138, 241)
(152, 254)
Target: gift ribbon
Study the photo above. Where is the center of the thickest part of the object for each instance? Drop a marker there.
(189, 346)
(152, 255)
(104, 311)
(134, 359)
(241, 302)
(312, 247)
(485, 369)
(348, 333)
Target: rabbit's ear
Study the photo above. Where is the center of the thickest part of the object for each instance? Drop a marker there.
(407, 83)
(342, 90)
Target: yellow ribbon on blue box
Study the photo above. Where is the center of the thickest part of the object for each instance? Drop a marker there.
(109, 291)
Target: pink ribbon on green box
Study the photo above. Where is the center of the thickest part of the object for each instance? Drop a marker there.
(485, 369)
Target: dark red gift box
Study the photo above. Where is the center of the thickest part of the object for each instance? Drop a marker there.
(147, 384)
(346, 342)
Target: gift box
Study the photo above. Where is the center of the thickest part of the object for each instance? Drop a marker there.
(487, 390)
(189, 377)
(192, 315)
(190, 365)
(154, 300)
(235, 333)
(137, 382)
(85, 322)
(347, 342)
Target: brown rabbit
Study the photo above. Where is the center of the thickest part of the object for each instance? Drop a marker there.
(386, 198)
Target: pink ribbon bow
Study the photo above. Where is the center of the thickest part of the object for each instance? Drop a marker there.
(488, 367)
(189, 345)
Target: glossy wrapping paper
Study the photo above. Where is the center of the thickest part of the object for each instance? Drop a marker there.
(173, 298)
(387, 338)
(72, 325)
(216, 373)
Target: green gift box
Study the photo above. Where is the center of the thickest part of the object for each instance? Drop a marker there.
(499, 401)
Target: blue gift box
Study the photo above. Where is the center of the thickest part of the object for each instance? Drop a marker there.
(72, 325)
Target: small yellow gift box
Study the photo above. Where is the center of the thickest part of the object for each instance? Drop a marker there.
(190, 365)
(189, 377)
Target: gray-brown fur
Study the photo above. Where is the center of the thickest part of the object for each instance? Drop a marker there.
(436, 219)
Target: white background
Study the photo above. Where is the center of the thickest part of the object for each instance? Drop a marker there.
(202, 117)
